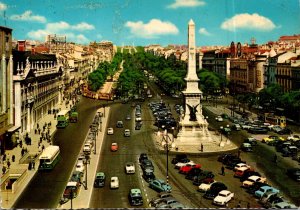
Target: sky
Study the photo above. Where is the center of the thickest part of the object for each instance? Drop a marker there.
(145, 22)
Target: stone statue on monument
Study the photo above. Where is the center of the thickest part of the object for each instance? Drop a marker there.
(193, 110)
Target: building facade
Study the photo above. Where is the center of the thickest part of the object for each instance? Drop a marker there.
(37, 87)
(6, 87)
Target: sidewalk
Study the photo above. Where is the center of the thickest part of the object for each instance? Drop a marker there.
(84, 196)
(19, 169)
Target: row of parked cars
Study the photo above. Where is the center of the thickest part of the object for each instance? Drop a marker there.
(163, 115)
(73, 186)
(254, 183)
(164, 199)
(216, 191)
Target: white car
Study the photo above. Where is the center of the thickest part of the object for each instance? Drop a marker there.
(79, 167)
(138, 119)
(126, 132)
(252, 179)
(293, 137)
(110, 131)
(241, 165)
(204, 187)
(223, 198)
(179, 165)
(219, 119)
(114, 182)
(130, 168)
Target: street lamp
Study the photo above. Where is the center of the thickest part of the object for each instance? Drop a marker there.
(227, 140)
(221, 128)
(165, 144)
(85, 162)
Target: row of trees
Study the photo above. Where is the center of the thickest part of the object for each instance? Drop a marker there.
(105, 69)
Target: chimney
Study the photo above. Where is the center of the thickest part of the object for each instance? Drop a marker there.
(21, 45)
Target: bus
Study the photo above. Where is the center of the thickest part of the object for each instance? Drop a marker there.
(49, 158)
(275, 119)
(63, 118)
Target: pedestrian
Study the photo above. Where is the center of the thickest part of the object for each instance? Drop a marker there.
(201, 147)
(222, 170)
(13, 157)
(238, 205)
(3, 170)
(22, 152)
(248, 205)
(8, 164)
(33, 165)
(21, 143)
(39, 130)
(43, 147)
(3, 157)
(37, 126)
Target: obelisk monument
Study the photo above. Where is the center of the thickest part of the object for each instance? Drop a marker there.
(193, 127)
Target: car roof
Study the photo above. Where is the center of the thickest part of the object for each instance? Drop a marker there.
(72, 184)
(100, 174)
(135, 191)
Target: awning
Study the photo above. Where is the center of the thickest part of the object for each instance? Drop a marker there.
(13, 128)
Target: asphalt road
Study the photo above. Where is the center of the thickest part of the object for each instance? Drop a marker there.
(46, 188)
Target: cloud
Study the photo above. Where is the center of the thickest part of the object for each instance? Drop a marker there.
(28, 16)
(204, 32)
(153, 29)
(3, 6)
(186, 3)
(248, 22)
(62, 28)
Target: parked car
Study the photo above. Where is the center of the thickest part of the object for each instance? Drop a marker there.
(240, 172)
(241, 165)
(128, 117)
(203, 187)
(294, 173)
(293, 137)
(214, 190)
(194, 172)
(76, 176)
(204, 177)
(252, 179)
(230, 164)
(135, 197)
(143, 156)
(80, 167)
(99, 180)
(138, 125)
(147, 164)
(223, 198)
(160, 185)
(129, 168)
(114, 147)
(251, 140)
(180, 164)
(148, 175)
(249, 173)
(255, 187)
(246, 147)
(289, 151)
(236, 127)
(126, 132)
(258, 130)
(114, 182)
(180, 158)
(265, 189)
(185, 169)
(271, 139)
(270, 199)
(71, 190)
(284, 205)
(285, 131)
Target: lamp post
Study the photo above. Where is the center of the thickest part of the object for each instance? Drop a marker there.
(85, 162)
(165, 143)
(227, 140)
(221, 128)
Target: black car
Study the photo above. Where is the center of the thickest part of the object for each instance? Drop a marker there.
(182, 158)
(148, 175)
(249, 173)
(231, 163)
(255, 187)
(224, 157)
(294, 173)
(205, 175)
(289, 151)
(138, 125)
(147, 164)
(214, 190)
(258, 130)
(285, 131)
(143, 156)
